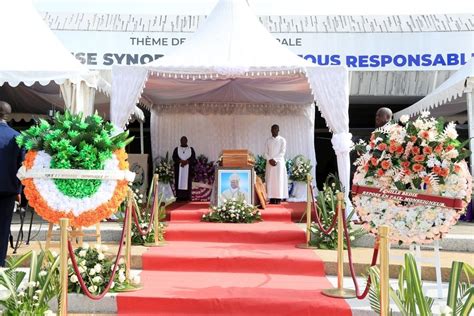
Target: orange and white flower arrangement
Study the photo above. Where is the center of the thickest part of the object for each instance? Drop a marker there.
(74, 168)
(422, 155)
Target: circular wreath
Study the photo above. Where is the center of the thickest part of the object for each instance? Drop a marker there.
(74, 142)
(422, 155)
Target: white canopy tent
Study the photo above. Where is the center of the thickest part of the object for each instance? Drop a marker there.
(227, 84)
(452, 97)
(31, 53)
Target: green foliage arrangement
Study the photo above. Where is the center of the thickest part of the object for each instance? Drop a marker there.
(29, 293)
(233, 211)
(410, 298)
(326, 203)
(75, 142)
(260, 166)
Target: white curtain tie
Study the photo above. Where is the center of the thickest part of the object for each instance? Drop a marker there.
(342, 143)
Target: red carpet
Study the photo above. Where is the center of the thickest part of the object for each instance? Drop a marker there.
(231, 269)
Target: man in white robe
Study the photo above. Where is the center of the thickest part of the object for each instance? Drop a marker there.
(276, 176)
(184, 159)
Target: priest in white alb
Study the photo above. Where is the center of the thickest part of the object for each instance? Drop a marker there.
(276, 177)
(184, 159)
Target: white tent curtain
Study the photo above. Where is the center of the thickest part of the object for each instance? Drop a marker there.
(78, 97)
(211, 128)
(330, 86)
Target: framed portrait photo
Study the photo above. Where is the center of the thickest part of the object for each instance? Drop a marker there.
(235, 183)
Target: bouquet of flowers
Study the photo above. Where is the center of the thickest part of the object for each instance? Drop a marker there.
(233, 211)
(204, 170)
(300, 167)
(165, 169)
(260, 166)
(74, 142)
(96, 270)
(423, 154)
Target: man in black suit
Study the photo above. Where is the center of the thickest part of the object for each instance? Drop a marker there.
(11, 157)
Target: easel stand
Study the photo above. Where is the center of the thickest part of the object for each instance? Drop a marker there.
(76, 234)
(435, 260)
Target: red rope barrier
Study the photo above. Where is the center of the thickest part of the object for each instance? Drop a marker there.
(84, 288)
(318, 220)
(150, 224)
(351, 266)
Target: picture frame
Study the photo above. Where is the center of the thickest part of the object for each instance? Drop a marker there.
(238, 183)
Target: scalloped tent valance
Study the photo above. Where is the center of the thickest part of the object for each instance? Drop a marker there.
(32, 54)
(232, 58)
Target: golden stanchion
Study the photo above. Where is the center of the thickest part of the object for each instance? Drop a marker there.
(157, 208)
(340, 291)
(128, 236)
(309, 204)
(384, 270)
(63, 267)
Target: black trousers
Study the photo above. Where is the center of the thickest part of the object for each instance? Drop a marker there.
(7, 204)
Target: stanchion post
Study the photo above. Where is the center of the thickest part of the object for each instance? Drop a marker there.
(309, 201)
(63, 267)
(384, 270)
(340, 291)
(128, 237)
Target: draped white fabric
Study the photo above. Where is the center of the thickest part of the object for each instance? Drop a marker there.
(78, 97)
(331, 92)
(210, 130)
(127, 87)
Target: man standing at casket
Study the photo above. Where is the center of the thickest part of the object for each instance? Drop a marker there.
(276, 176)
(184, 159)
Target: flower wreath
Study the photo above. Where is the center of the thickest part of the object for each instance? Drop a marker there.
(415, 156)
(76, 144)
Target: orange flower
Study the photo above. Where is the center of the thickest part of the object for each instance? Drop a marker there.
(417, 167)
(450, 147)
(419, 158)
(437, 169)
(415, 150)
(427, 180)
(374, 161)
(382, 146)
(427, 150)
(407, 172)
(444, 172)
(413, 138)
(457, 168)
(29, 159)
(380, 172)
(425, 134)
(400, 150)
(386, 164)
(406, 164)
(438, 149)
(366, 167)
(393, 148)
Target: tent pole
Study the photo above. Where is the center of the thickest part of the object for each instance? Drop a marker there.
(142, 143)
(470, 122)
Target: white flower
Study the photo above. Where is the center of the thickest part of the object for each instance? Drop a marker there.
(425, 114)
(54, 254)
(43, 273)
(21, 294)
(92, 288)
(404, 118)
(101, 256)
(35, 297)
(445, 310)
(81, 269)
(121, 261)
(92, 271)
(121, 278)
(98, 268)
(82, 253)
(73, 278)
(85, 246)
(450, 131)
(97, 279)
(31, 284)
(49, 313)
